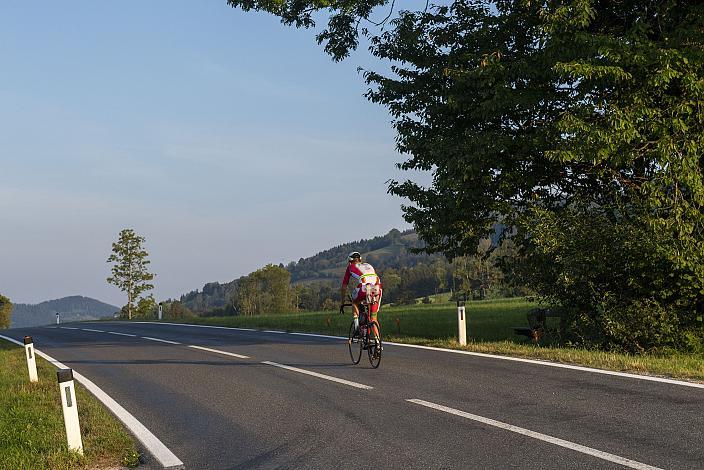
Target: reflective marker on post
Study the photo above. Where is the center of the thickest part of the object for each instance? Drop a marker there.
(462, 320)
(31, 361)
(68, 402)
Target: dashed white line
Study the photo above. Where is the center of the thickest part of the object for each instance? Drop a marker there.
(121, 334)
(274, 331)
(478, 354)
(160, 340)
(320, 376)
(68, 328)
(536, 435)
(219, 352)
(92, 329)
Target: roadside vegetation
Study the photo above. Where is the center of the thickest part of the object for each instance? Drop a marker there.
(490, 329)
(32, 431)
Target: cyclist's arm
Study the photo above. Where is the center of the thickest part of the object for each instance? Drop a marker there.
(343, 288)
(343, 292)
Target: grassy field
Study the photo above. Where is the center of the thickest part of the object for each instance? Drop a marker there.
(490, 326)
(491, 320)
(32, 431)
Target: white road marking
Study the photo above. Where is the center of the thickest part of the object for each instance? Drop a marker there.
(555, 364)
(68, 328)
(196, 326)
(157, 448)
(121, 334)
(536, 435)
(94, 330)
(274, 331)
(219, 352)
(320, 376)
(318, 336)
(160, 340)
(485, 355)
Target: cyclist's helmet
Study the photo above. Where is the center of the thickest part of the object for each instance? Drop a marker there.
(354, 255)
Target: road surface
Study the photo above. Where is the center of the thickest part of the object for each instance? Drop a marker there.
(234, 398)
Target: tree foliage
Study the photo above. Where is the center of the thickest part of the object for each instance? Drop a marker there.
(267, 290)
(5, 312)
(129, 270)
(343, 27)
(579, 125)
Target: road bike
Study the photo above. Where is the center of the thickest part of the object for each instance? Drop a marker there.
(368, 336)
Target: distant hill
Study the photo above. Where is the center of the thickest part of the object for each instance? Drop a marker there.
(73, 308)
(390, 251)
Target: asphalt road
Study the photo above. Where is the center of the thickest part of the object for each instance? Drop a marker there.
(219, 411)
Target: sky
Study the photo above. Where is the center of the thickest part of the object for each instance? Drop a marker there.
(224, 138)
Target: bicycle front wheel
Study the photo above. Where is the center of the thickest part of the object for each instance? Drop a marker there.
(375, 348)
(354, 341)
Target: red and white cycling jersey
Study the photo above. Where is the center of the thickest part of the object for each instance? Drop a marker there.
(362, 273)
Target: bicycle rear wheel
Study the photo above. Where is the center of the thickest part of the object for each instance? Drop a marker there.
(354, 341)
(375, 348)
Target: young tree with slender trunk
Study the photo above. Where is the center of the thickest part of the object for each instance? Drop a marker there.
(129, 271)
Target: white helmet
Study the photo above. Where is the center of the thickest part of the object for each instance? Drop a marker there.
(353, 255)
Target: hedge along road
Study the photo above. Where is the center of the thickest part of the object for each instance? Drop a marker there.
(224, 398)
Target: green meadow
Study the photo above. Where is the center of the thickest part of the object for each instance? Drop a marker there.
(490, 329)
(32, 431)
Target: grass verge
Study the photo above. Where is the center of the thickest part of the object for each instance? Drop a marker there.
(490, 326)
(32, 433)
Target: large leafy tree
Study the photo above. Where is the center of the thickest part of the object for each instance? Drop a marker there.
(576, 124)
(129, 270)
(5, 312)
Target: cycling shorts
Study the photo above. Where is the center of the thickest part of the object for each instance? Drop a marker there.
(359, 294)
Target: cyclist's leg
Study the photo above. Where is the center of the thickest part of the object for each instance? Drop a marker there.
(374, 312)
(355, 307)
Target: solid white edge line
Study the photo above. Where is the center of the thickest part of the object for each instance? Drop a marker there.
(541, 437)
(155, 447)
(194, 326)
(159, 340)
(121, 334)
(274, 331)
(489, 356)
(219, 352)
(68, 328)
(319, 336)
(320, 376)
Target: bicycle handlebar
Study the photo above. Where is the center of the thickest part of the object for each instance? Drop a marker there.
(342, 307)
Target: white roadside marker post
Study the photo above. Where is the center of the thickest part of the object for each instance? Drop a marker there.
(68, 402)
(31, 361)
(57, 318)
(462, 320)
(160, 310)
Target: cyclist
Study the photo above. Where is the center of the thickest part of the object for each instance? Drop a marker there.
(362, 273)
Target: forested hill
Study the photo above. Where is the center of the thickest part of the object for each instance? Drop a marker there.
(392, 250)
(325, 269)
(71, 308)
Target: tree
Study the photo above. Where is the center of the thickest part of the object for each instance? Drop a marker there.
(342, 31)
(533, 113)
(266, 290)
(129, 272)
(5, 312)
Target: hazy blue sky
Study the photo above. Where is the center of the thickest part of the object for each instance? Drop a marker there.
(225, 138)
